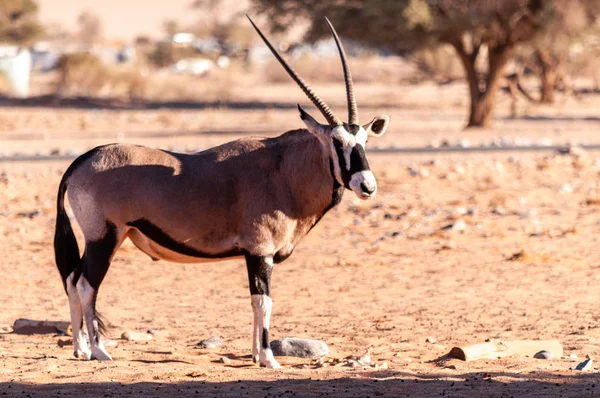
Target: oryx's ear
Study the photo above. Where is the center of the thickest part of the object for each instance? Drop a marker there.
(378, 126)
(313, 126)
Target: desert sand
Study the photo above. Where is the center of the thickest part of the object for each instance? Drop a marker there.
(521, 260)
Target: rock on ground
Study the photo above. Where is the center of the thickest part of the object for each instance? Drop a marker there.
(211, 342)
(135, 336)
(544, 355)
(302, 348)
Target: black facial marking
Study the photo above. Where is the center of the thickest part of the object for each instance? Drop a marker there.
(259, 274)
(353, 129)
(358, 160)
(339, 150)
(265, 338)
(158, 236)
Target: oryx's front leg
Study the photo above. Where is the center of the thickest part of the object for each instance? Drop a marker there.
(259, 276)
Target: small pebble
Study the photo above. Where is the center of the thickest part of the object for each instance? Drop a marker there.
(472, 211)
(586, 365)
(566, 188)
(458, 226)
(30, 214)
(464, 143)
(499, 210)
(135, 336)
(461, 211)
(64, 342)
(544, 355)
(225, 360)
(431, 340)
(153, 331)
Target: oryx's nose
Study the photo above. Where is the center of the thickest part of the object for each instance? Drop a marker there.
(367, 188)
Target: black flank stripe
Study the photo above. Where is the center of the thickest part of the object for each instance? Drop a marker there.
(158, 236)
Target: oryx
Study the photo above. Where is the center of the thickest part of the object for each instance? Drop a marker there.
(252, 198)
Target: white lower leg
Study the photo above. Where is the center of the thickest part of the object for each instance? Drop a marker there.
(256, 333)
(262, 304)
(87, 298)
(80, 345)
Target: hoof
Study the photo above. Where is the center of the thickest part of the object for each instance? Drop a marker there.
(273, 364)
(83, 355)
(255, 358)
(267, 360)
(100, 354)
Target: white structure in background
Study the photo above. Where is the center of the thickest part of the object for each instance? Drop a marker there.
(15, 67)
(194, 66)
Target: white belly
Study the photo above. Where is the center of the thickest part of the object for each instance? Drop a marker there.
(158, 252)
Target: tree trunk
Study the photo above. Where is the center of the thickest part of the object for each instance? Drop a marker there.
(548, 76)
(482, 92)
(481, 114)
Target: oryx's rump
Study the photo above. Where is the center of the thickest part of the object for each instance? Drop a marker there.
(260, 195)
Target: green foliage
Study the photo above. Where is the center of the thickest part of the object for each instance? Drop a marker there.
(469, 26)
(406, 24)
(18, 22)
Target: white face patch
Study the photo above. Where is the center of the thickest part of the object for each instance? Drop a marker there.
(349, 142)
(364, 178)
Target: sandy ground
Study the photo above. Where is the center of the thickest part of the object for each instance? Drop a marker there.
(382, 274)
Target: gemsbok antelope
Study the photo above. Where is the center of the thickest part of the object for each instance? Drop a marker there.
(252, 198)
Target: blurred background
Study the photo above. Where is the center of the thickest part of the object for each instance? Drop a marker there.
(450, 63)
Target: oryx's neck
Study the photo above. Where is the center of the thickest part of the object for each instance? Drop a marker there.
(309, 175)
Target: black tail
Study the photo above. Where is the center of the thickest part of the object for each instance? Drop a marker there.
(66, 250)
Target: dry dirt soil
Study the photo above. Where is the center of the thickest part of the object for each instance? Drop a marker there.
(522, 262)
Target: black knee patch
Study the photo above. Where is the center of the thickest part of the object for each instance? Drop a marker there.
(259, 274)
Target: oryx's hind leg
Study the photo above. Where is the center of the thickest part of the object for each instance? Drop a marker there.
(80, 344)
(259, 276)
(94, 265)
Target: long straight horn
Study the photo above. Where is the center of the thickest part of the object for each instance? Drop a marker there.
(352, 108)
(318, 102)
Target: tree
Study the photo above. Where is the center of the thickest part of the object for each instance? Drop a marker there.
(550, 50)
(90, 28)
(483, 33)
(170, 27)
(19, 22)
(217, 18)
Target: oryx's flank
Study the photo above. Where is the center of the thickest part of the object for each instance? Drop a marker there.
(251, 198)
